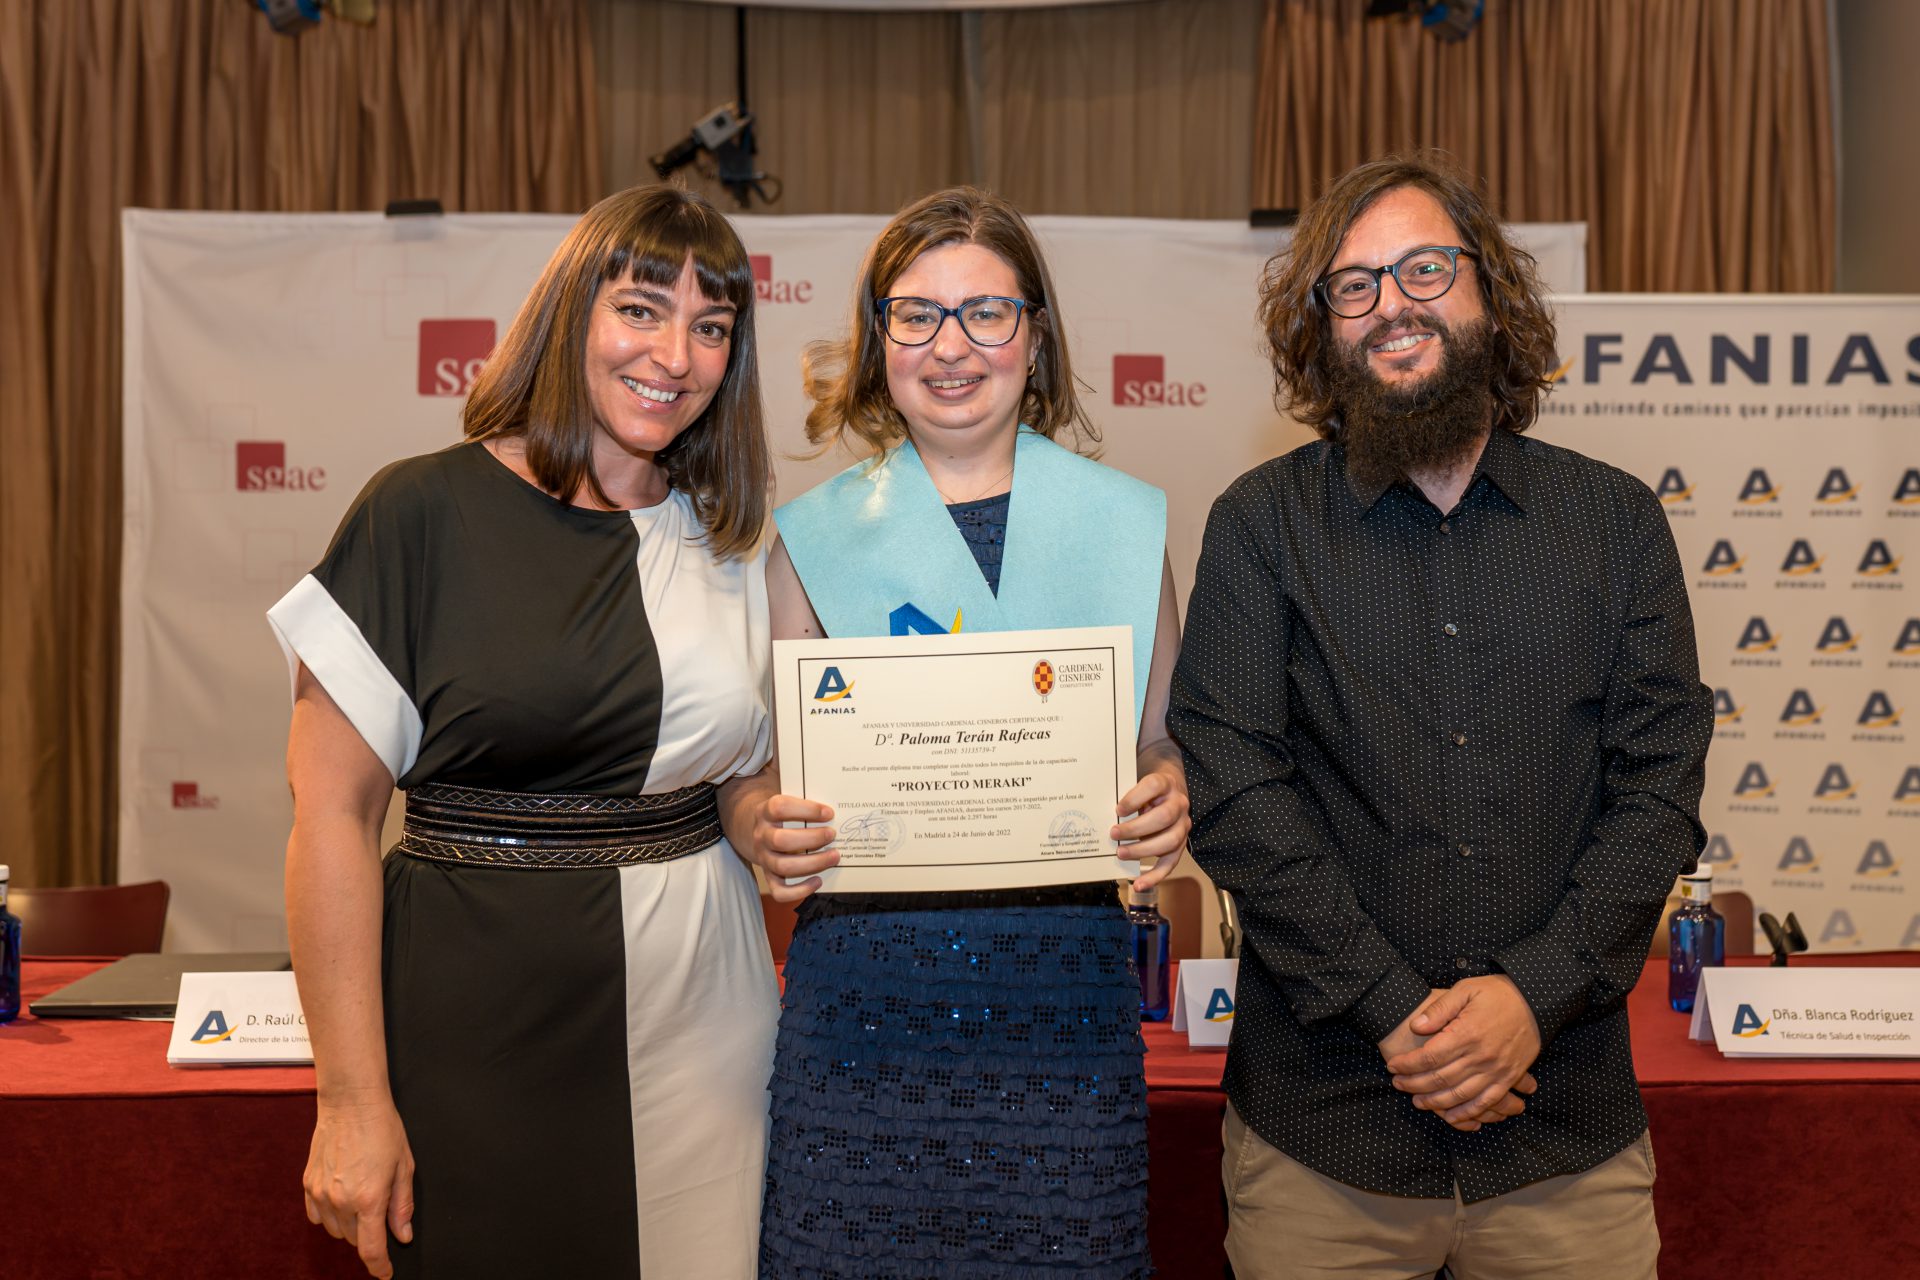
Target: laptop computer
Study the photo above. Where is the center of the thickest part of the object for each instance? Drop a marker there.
(147, 985)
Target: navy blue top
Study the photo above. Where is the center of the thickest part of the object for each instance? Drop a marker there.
(983, 523)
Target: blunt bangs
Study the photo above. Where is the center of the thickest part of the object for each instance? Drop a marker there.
(661, 247)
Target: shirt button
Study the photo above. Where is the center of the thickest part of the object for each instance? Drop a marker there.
(1466, 851)
(1459, 739)
(1446, 526)
(1461, 962)
(1452, 629)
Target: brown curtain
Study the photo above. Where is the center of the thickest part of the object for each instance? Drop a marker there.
(1694, 137)
(1130, 109)
(1134, 110)
(197, 104)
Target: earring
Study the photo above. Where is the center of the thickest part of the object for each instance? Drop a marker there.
(1031, 366)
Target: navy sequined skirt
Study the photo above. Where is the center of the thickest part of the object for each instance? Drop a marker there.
(958, 1090)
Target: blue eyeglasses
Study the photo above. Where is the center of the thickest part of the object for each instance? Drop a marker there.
(914, 322)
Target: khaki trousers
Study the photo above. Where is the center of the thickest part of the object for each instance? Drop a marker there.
(1286, 1222)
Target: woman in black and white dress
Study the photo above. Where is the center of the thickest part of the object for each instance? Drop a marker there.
(543, 1043)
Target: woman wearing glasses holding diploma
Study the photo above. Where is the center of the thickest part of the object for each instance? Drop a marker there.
(957, 1085)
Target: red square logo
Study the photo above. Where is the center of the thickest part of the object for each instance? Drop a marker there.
(185, 794)
(451, 353)
(1132, 375)
(762, 264)
(258, 465)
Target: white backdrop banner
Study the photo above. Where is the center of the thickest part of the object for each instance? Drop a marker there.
(275, 362)
(1783, 436)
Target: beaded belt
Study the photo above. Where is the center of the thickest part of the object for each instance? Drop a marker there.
(524, 829)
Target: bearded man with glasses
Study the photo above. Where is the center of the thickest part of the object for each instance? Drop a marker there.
(1445, 738)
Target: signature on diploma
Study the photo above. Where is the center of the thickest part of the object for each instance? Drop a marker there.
(872, 826)
(1071, 825)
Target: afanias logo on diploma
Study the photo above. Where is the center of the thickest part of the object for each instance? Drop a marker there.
(832, 694)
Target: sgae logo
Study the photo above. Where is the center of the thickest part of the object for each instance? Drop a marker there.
(186, 795)
(1836, 488)
(1800, 709)
(1837, 637)
(1879, 712)
(1663, 357)
(833, 686)
(1801, 560)
(1799, 857)
(1747, 1024)
(1907, 791)
(1877, 861)
(1878, 560)
(1758, 489)
(1725, 709)
(1912, 937)
(1723, 559)
(1141, 381)
(1908, 641)
(1757, 638)
(768, 288)
(451, 353)
(1719, 854)
(1673, 487)
(1220, 1005)
(260, 466)
(1834, 784)
(1907, 492)
(213, 1028)
(1753, 781)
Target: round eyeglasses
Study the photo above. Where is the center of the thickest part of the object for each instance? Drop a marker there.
(987, 322)
(1422, 274)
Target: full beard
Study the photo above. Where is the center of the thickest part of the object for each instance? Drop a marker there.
(1395, 430)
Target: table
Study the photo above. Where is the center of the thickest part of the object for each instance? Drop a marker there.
(114, 1166)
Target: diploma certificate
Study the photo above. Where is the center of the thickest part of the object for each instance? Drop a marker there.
(983, 760)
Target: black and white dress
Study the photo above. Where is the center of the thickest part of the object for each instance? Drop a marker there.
(580, 1054)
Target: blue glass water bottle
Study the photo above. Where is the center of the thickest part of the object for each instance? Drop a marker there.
(1696, 937)
(1150, 960)
(9, 955)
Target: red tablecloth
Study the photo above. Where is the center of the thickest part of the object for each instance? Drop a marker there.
(114, 1166)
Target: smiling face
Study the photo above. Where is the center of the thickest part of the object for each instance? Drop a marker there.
(951, 385)
(1402, 342)
(655, 357)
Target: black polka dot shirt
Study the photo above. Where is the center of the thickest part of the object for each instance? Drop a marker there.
(1424, 746)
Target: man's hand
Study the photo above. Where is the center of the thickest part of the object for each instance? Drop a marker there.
(1403, 1041)
(1479, 1040)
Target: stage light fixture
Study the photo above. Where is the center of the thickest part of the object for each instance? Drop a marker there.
(289, 17)
(726, 134)
(1446, 20)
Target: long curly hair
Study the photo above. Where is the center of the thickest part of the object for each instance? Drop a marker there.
(1299, 326)
(847, 379)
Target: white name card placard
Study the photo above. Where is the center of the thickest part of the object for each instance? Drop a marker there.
(1203, 1002)
(239, 1020)
(1809, 1012)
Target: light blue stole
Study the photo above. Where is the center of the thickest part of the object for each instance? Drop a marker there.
(879, 555)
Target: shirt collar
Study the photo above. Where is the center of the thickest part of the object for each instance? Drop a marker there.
(1503, 462)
